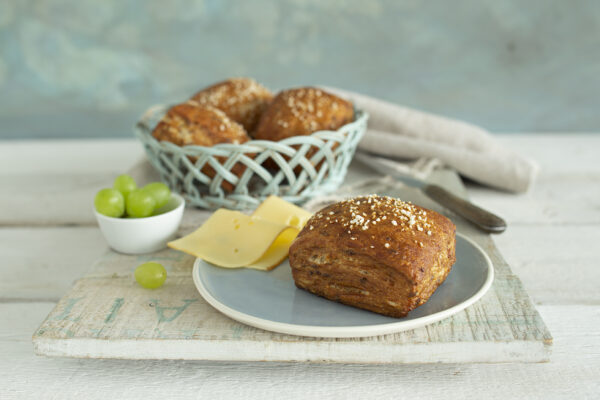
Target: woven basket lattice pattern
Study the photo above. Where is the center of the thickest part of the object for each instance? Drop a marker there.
(307, 166)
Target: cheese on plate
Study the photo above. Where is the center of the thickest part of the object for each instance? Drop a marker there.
(277, 210)
(261, 241)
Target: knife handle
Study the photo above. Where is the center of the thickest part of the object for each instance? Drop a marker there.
(476, 215)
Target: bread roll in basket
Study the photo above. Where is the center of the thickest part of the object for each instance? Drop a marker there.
(305, 166)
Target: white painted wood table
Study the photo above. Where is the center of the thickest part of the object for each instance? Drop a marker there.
(48, 239)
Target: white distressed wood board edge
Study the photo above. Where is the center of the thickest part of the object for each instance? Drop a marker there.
(369, 352)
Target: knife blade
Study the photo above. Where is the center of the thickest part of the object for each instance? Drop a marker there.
(481, 218)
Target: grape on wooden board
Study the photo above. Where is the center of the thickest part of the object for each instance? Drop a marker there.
(150, 275)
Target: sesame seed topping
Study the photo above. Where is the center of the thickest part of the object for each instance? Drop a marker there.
(387, 245)
(230, 92)
(360, 213)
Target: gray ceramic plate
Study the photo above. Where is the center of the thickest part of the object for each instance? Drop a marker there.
(269, 300)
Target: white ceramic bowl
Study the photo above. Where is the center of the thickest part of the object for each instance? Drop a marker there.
(143, 235)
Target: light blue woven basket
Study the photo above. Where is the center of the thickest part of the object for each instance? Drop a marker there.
(299, 177)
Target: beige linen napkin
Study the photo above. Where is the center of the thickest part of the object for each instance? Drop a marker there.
(400, 132)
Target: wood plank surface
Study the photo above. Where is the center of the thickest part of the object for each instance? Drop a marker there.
(54, 182)
(59, 157)
(555, 200)
(38, 271)
(107, 315)
(569, 172)
(558, 153)
(45, 261)
(572, 373)
(65, 175)
(554, 263)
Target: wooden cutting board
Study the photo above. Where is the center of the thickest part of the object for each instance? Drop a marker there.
(107, 315)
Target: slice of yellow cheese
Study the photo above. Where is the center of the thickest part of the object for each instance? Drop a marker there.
(277, 210)
(277, 252)
(230, 239)
(261, 241)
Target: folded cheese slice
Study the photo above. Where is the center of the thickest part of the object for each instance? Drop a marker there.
(261, 241)
(277, 210)
(277, 252)
(230, 239)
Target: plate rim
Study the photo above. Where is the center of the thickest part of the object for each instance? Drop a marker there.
(345, 331)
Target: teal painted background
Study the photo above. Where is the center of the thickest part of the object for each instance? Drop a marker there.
(72, 68)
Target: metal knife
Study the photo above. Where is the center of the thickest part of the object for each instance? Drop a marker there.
(478, 216)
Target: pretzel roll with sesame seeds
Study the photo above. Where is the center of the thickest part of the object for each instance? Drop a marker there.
(242, 99)
(376, 253)
(189, 124)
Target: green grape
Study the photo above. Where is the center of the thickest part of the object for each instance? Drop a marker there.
(110, 202)
(150, 275)
(124, 184)
(140, 204)
(159, 191)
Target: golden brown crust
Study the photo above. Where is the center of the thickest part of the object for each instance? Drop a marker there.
(376, 253)
(189, 124)
(242, 99)
(302, 111)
